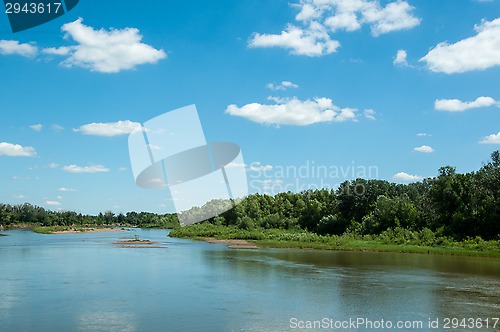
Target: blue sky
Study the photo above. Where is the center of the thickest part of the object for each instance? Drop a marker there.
(312, 83)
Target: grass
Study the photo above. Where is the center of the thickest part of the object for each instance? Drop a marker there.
(398, 240)
(52, 229)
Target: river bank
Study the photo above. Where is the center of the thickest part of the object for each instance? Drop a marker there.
(403, 241)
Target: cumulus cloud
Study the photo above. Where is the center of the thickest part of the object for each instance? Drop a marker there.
(310, 41)
(86, 169)
(424, 149)
(479, 52)
(16, 150)
(53, 165)
(281, 86)
(402, 176)
(400, 59)
(105, 51)
(53, 203)
(13, 47)
(37, 127)
(491, 139)
(318, 19)
(455, 105)
(108, 129)
(424, 135)
(293, 111)
(393, 17)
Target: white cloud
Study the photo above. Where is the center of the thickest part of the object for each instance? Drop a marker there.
(258, 167)
(424, 135)
(53, 165)
(294, 112)
(402, 176)
(424, 149)
(401, 58)
(21, 196)
(86, 169)
(105, 51)
(317, 19)
(309, 41)
(394, 16)
(281, 86)
(308, 12)
(108, 129)
(475, 53)
(370, 114)
(350, 15)
(455, 105)
(8, 47)
(37, 127)
(343, 21)
(491, 139)
(122, 169)
(278, 100)
(66, 190)
(16, 150)
(53, 203)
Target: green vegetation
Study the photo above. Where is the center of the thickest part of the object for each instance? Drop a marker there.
(54, 229)
(391, 240)
(451, 213)
(43, 221)
(50, 229)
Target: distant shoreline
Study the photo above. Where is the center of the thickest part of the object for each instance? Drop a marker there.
(231, 243)
(89, 230)
(74, 230)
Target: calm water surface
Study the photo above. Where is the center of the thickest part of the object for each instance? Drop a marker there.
(83, 282)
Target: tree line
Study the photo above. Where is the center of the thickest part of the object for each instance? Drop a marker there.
(28, 214)
(451, 204)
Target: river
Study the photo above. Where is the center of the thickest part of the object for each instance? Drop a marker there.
(84, 282)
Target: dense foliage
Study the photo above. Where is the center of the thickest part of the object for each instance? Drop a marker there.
(453, 205)
(29, 215)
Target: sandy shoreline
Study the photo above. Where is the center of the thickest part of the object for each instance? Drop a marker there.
(138, 244)
(88, 230)
(233, 244)
(135, 242)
